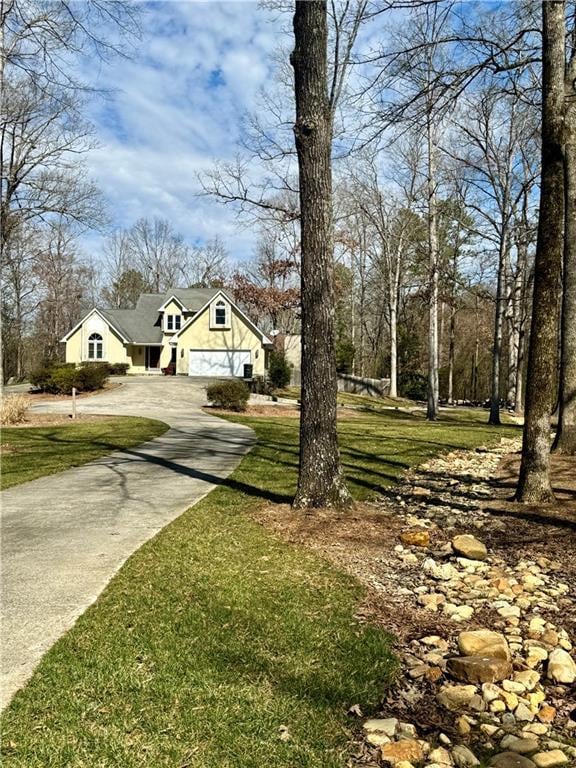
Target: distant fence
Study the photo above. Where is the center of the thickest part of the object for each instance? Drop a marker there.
(357, 385)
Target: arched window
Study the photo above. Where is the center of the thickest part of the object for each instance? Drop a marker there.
(95, 347)
(220, 314)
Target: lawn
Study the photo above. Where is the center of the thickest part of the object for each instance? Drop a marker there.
(348, 398)
(215, 636)
(31, 452)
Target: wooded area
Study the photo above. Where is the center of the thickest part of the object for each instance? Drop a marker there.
(452, 233)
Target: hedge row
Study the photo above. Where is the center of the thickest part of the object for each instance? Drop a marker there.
(60, 378)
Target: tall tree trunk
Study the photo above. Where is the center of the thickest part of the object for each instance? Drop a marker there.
(534, 484)
(498, 323)
(451, 350)
(566, 435)
(320, 478)
(433, 387)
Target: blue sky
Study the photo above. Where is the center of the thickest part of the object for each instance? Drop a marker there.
(175, 107)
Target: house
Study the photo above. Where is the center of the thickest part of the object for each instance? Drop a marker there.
(200, 330)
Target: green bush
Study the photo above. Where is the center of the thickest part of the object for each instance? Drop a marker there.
(118, 369)
(278, 370)
(91, 376)
(232, 395)
(413, 385)
(62, 380)
(59, 379)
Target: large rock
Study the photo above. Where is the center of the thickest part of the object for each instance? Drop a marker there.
(522, 746)
(551, 759)
(561, 667)
(416, 537)
(511, 760)
(464, 757)
(455, 697)
(397, 751)
(469, 546)
(479, 669)
(483, 642)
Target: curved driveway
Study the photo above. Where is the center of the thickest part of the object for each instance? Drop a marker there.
(66, 535)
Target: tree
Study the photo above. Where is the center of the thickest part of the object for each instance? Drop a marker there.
(320, 477)
(565, 441)
(534, 483)
(158, 252)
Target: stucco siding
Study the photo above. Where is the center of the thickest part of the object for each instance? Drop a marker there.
(239, 335)
(114, 350)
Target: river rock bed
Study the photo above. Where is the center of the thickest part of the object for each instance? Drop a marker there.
(494, 683)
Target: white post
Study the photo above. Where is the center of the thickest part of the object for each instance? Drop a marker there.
(73, 402)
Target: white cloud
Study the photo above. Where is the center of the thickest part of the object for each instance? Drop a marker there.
(175, 108)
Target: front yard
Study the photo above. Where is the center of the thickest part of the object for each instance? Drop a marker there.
(31, 452)
(218, 645)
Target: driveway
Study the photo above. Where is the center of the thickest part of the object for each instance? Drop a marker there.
(65, 536)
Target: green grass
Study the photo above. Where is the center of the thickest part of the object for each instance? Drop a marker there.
(216, 633)
(38, 451)
(347, 398)
(376, 447)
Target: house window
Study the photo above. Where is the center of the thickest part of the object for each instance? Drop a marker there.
(173, 322)
(220, 313)
(95, 347)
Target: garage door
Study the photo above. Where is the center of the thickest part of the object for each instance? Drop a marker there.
(226, 362)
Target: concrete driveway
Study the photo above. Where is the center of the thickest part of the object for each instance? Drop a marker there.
(65, 536)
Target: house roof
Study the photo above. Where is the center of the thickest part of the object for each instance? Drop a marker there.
(141, 325)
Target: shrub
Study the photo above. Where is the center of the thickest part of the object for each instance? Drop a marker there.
(232, 395)
(91, 376)
(279, 371)
(118, 369)
(13, 409)
(413, 385)
(42, 378)
(60, 379)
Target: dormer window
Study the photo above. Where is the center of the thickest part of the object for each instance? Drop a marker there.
(220, 314)
(173, 322)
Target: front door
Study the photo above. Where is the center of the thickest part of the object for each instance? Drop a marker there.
(152, 357)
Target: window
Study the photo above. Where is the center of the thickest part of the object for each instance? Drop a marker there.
(220, 314)
(173, 322)
(95, 347)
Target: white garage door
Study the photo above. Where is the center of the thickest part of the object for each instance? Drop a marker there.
(226, 362)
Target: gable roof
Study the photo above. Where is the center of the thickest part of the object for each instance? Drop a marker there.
(141, 325)
(99, 312)
(220, 292)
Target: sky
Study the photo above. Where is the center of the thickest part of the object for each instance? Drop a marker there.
(174, 108)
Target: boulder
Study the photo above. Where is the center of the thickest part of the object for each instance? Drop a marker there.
(561, 667)
(479, 669)
(386, 726)
(468, 546)
(483, 642)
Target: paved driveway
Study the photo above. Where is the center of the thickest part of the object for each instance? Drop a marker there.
(64, 536)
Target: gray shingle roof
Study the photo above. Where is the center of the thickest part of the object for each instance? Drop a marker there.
(141, 325)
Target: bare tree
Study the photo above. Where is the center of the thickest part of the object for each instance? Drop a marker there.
(158, 252)
(207, 265)
(320, 477)
(534, 483)
(565, 441)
